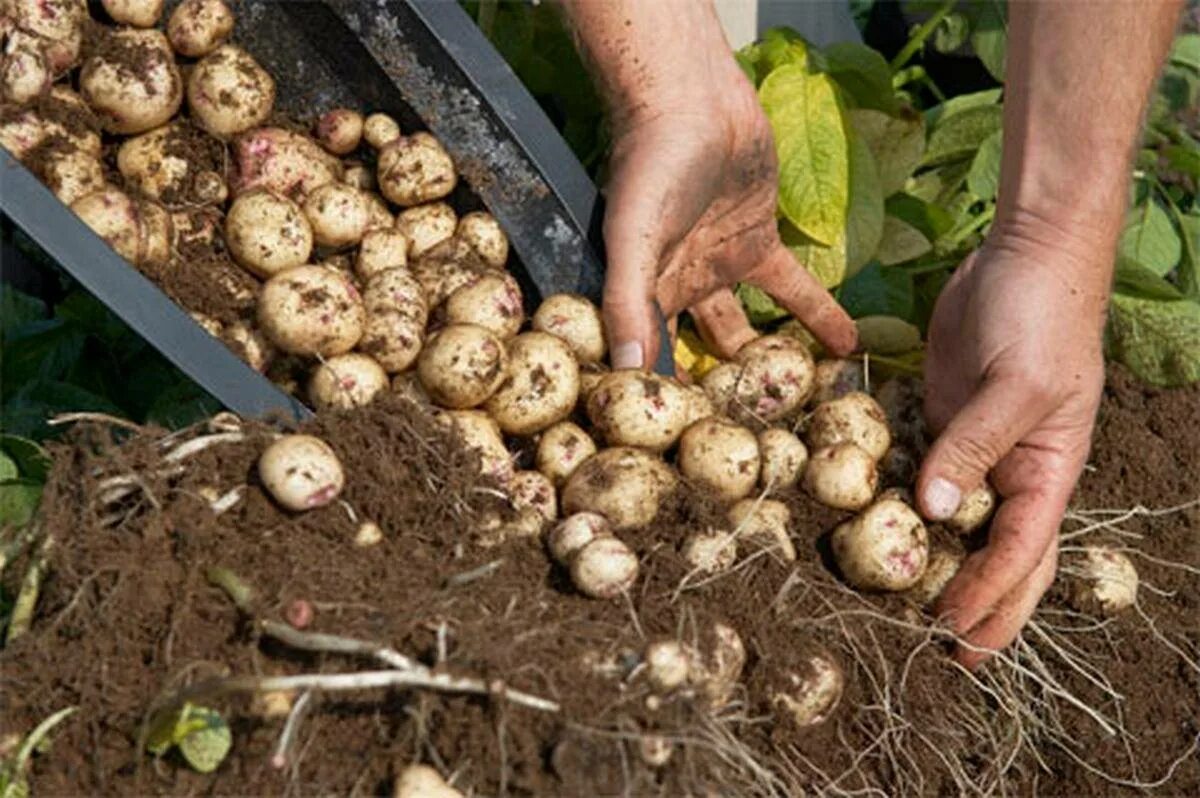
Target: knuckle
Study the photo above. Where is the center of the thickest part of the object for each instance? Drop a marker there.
(971, 455)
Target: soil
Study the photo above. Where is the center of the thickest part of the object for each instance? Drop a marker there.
(126, 616)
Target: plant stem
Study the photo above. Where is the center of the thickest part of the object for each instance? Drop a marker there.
(22, 614)
(917, 41)
(240, 593)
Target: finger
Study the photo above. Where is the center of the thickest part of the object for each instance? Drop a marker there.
(793, 287)
(722, 323)
(984, 430)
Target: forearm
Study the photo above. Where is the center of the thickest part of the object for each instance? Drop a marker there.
(1079, 76)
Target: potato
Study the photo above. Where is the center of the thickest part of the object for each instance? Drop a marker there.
(156, 233)
(604, 568)
(667, 664)
(58, 24)
(764, 524)
(250, 345)
(415, 169)
(720, 385)
(361, 177)
(655, 750)
(492, 301)
(340, 130)
(1105, 580)
(74, 174)
(282, 161)
(138, 13)
(777, 378)
(82, 130)
(379, 216)
(623, 484)
(483, 233)
(573, 533)
(836, 377)
(128, 102)
(393, 338)
(396, 290)
(408, 385)
(145, 162)
(346, 381)
(379, 251)
(207, 323)
(812, 692)
(140, 232)
(25, 72)
(267, 233)
(422, 781)
(721, 456)
(633, 408)
(197, 27)
(426, 226)
(481, 433)
(379, 130)
(561, 449)
(367, 535)
(854, 418)
(446, 268)
(784, 457)
(717, 671)
(301, 472)
(21, 132)
(842, 476)
(229, 93)
(974, 510)
(590, 377)
(886, 547)
(529, 489)
(311, 311)
(540, 387)
(699, 406)
(575, 320)
(711, 551)
(461, 366)
(942, 566)
(338, 214)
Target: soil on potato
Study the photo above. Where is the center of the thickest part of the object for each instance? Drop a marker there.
(126, 616)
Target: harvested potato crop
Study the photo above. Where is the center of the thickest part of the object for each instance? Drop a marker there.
(461, 366)
(573, 533)
(699, 406)
(561, 449)
(25, 72)
(379, 130)
(21, 132)
(667, 664)
(74, 174)
(145, 162)
(575, 320)
(1104, 579)
(267, 233)
(717, 669)
(340, 130)
(301, 472)
(250, 345)
(379, 251)
(138, 13)
(711, 551)
(784, 457)
(481, 433)
(58, 24)
(483, 233)
(942, 566)
(633, 408)
(210, 188)
(422, 781)
(775, 381)
(346, 381)
(764, 524)
(836, 377)
(282, 161)
(82, 134)
(842, 476)
(122, 102)
(720, 385)
(415, 169)
(492, 301)
(809, 694)
(540, 387)
(655, 750)
(426, 226)
(854, 418)
(721, 456)
(338, 214)
(884, 548)
(393, 338)
(197, 27)
(229, 93)
(140, 232)
(604, 568)
(396, 289)
(311, 311)
(623, 484)
(974, 510)
(446, 268)
(530, 489)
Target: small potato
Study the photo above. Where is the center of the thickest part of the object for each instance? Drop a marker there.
(381, 250)
(633, 408)
(1105, 579)
(229, 93)
(25, 72)
(884, 548)
(360, 177)
(710, 552)
(346, 381)
(338, 214)
(426, 226)
(197, 27)
(784, 457)
(573, 533)
(481, 433)
(379, 130)
(492, 301)
(667, 664)
(854, 418)
(721, 456)
(540, 387)
(811, 693)
(717, 670)
(138, 13)
(481, 230)
(942, 566)
(340, 130)
(604, 568)
(415, 169)
(529, 489)
(267, 233)
(210, 188)
(777, 378)
(422, 781)
(623, 484)
(125, 103)
(461, 366)
(764, 523)
(575, 320)
(75, 174)
(720, 385)
(842, 476)
(836, 377)
(301, 472)
(250, 345)
(655, 750)
(561, 449)
(282, 161)
(311, 311)
(974, 510)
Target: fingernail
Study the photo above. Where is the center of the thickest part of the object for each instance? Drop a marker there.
(627, 355)
(942, 499)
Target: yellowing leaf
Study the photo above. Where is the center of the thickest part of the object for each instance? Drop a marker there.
(897, 144)
(205, 746)
(693, 355)
(901, 242)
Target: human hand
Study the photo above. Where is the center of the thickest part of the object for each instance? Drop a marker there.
(1013, 377)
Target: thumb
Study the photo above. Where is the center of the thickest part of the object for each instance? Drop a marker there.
(981, 433)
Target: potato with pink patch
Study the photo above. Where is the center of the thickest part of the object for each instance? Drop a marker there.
(285, 162)
(532, 490)
(311, 311)
(633, 408)
(197, 27)
(462, 365)
(301, 472)
(346, 381)
(575, 320)
(886, 547)
(561, 449)
(776, 379)
(340, 130)
(229, 93)
(493, 301)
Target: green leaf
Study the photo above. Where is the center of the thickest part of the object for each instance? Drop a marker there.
(206, 746)
(901, 242)
(952, 33)
(897, 144)
(19, 501)
(17, 309)
(760, 308)
(814, 160)
(8, 468)
(1186, 51)
(780, 47)
(32, 461)
(1150, 239)
(983, 180)
(25, 412)
(41, 350)
(747, 59)
(1135, 280)
(1183, 158)
(960, 135)
(989, 35)
(862, 73)
(181, 405)
(887, 335)
(932, 221)
(961, 103)
(877, 291)
(1159, 341)
(1189, 268)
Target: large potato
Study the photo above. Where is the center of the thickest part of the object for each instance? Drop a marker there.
(492, 301)
(623, 484)
(775, 381)
(140, 232)
(282, 161)
(853, 418)
(426, 226)
(197, 27)
(415, 169)
(884, 548)
(461, 366)
(311, 311)
(720, 455)
(396, 318)
(540, 387)
(633, 408)
(131, 82)
(229, 93)
(842, 476)
(338, 214)
(575, 320)
(267, 233)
